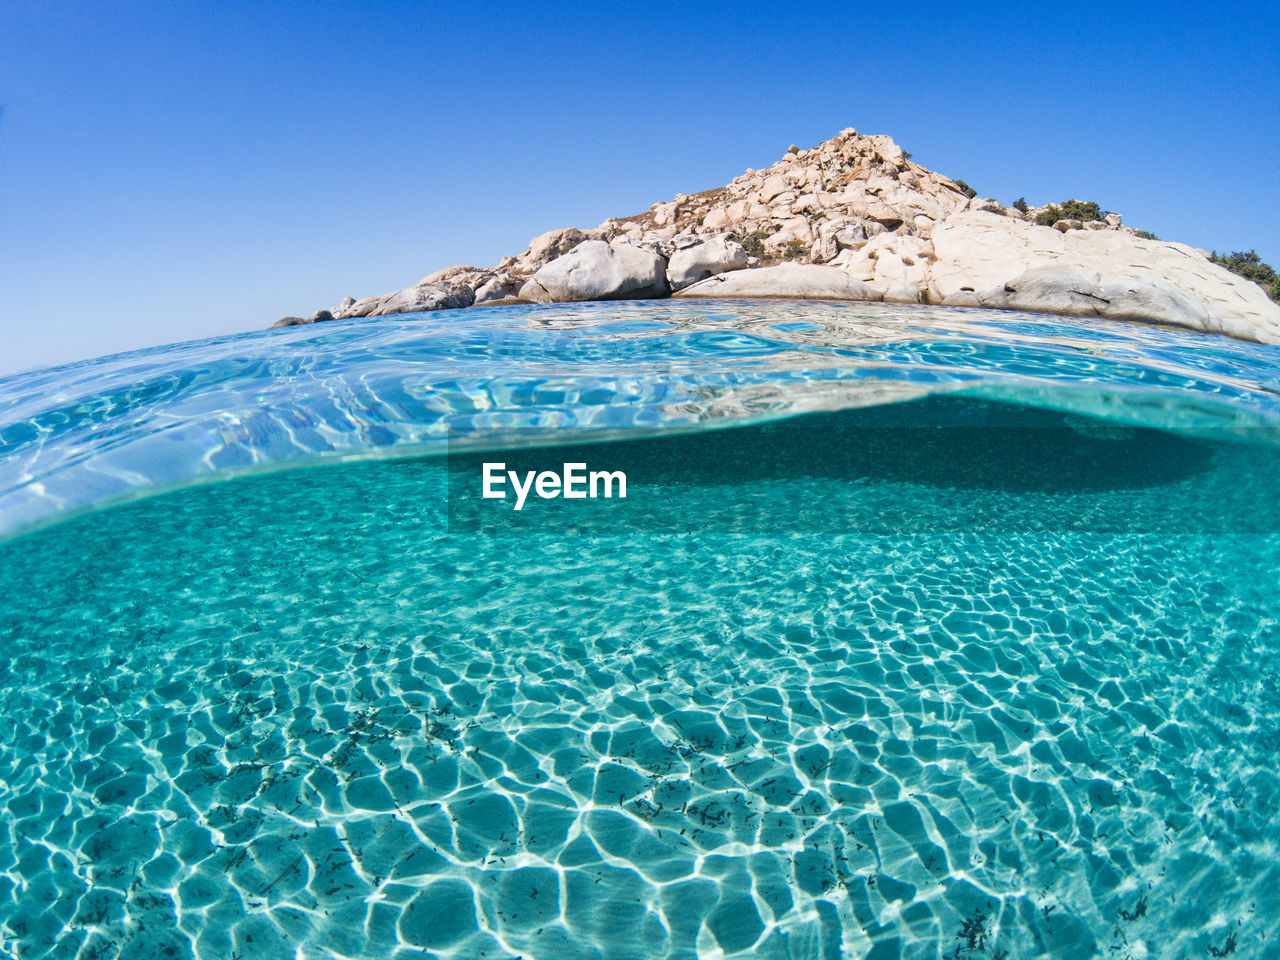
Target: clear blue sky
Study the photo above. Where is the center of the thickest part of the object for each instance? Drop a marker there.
(173, 170)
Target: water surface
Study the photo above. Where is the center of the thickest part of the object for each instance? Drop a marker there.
(923, 633)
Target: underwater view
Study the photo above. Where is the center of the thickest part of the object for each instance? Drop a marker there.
(919, 632)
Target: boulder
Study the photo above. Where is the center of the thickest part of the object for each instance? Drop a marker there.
(895, 261)
(705, 259)
(984, 259)
(806, 280)
(824, 249)
(358, 308)
(547, 246)
(792, 230)
(718, 217)
(320, 316)
(659, 242)
(499, 288)
(903, 293)
(595, 270)
(1071, 291)
(852, 235)
(426, 296)
(772, 187)
(887, 150)
(664, 214)
(805, 203)
(448, 273)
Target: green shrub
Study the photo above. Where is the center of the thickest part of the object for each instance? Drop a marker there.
(1250, 266)
(753, 245)
(1082, 210)
(794, 250)
(568, 245)
(1145, 235)
(1247, 264)
(1021, 205)
(967, 190)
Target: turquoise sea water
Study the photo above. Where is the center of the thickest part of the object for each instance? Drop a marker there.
(921, 633)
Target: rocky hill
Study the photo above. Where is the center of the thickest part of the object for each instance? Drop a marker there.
(855, 219)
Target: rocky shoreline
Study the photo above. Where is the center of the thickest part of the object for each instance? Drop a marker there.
(855, 219)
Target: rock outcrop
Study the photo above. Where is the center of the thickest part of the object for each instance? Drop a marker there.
(807, 280)
(595, 270)
(318, 317)
(706, 258)
(425, 296)
(984, 260)
(855, 218)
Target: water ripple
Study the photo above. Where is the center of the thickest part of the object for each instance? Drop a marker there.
(82, 435)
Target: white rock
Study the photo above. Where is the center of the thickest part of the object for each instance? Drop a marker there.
(426, 296)
(360, 308)
(824, 248)
(794, 230)
(663, 243)
(499, 288)
(1068, 290)
(663, 213)
(773, 186)
(900, 261)
(705, 259)
(595, 270)
(1118, 275)
(887, 149)
(719, 217)
(805, 280)
(856, 264)
(805, 203)
(853, 235)
(546, 246)
(858, 204)
(448, 273)
(903, 293)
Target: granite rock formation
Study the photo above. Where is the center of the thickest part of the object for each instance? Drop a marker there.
(856, 218)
